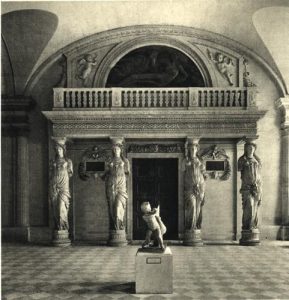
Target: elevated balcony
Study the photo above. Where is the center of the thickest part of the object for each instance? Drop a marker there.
(153, 98)
(154, 112)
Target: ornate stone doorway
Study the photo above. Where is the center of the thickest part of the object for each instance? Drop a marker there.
(156, 180)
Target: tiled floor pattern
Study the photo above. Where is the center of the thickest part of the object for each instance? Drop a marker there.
(90, 272)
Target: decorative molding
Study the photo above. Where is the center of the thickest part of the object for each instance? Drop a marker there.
(283, 105)
(155, 148)
(178, 122)
(196, 36)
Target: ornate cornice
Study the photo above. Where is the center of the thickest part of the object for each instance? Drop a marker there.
(179, 123)
(283, 105)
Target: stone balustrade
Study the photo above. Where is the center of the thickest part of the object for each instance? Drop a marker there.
(131, 98)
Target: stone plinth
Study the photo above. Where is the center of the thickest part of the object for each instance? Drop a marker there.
(193, 238)
(250, 237)
(117, 238)
(154, 271)
(61, 238)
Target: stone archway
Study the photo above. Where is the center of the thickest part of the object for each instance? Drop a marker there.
(121, 50)
(155, 66)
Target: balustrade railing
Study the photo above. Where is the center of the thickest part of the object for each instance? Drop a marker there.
(130, 98)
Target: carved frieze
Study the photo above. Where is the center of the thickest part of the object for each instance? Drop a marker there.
(216, 162)
(155, 148)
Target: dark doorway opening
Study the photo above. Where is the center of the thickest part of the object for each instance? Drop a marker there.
(156, 181)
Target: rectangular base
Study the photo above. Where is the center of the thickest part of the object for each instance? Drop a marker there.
(154, 272)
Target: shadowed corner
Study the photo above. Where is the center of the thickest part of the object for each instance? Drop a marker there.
(27, 31)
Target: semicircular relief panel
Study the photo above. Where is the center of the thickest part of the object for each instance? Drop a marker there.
(155, 66)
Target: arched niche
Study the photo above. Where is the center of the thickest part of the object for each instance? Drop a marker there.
(184, 50)
(155, 66)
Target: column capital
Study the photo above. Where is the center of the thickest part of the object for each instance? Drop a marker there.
(283, 105)
(116, 140)
(193, 140)
(59, 140)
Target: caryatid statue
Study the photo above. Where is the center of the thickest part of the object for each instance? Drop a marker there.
(117, 170)
(59, 194)
(194, 185)
(249, 165)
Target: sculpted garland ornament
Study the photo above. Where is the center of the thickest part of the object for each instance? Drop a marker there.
(94, 155)
(216, 159)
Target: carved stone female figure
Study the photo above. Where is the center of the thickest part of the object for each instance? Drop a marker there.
(116, 187)
(249, 165)
(194, 186)
(60, 172)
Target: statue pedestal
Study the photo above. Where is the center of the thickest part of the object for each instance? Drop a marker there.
(193, 238)
(117, 238)
(154, 271)
(61, 238)
(250, 237)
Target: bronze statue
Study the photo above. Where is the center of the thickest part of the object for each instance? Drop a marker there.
(194, 186)
(60, 172)
(117, 170)
(249, 165)
(156, 227)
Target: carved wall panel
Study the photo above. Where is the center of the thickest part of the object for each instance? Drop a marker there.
(89, 62)
(217, 163)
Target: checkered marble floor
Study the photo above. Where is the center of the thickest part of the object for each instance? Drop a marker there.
(91, 272)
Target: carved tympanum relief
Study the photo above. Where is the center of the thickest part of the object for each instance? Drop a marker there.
(216, 162)
(224, 65)
(84, 68)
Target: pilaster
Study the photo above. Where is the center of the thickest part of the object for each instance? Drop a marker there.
(283, 105)
(15, 124)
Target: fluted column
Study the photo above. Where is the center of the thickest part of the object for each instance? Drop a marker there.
(283, 105)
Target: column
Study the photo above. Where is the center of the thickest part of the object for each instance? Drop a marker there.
(194, 192)
(15, 125)
(61, 170)
(117, 173)
(283, 105)
(249, 166)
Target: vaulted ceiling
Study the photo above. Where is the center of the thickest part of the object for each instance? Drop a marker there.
(33, 31)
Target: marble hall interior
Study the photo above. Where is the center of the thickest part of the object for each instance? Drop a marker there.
(110, 104)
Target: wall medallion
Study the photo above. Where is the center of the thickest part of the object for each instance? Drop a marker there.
(92, 163)
(216, 162)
